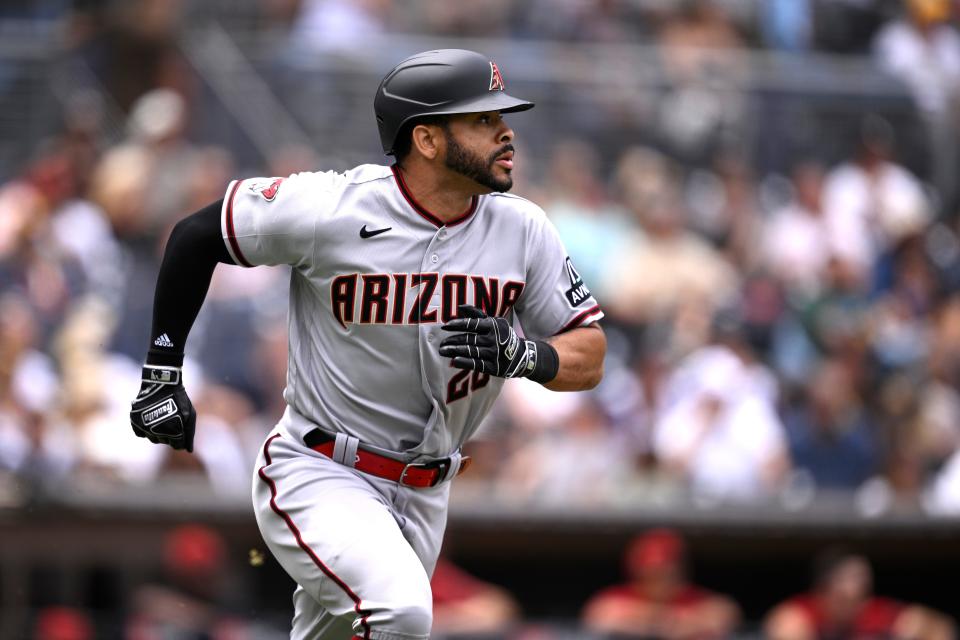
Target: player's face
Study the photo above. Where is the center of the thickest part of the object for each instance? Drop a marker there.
(479, 147)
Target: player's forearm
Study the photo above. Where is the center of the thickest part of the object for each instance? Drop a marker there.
(193, 250)
(581, 353)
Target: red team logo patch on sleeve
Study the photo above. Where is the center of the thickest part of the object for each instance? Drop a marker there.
(496, 80)
(271, 192)
(268, 192)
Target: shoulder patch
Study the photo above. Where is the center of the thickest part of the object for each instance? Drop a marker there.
(578, 293)
(266, 188)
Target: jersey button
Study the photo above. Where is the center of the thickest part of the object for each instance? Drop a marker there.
(429, 337)
(434, 258)
(442, 235)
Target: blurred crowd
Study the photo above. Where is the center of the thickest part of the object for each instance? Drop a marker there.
(774, 335)
(196, 591)
(778, 333)
(761, 344)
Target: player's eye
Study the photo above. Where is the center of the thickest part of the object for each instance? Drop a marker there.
(484, 119)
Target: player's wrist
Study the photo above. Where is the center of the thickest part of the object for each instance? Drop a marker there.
(156, 357)
(161, 374)
(544, 362)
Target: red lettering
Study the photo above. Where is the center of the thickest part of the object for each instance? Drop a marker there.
(373, 302)
(399, 297)
(511, 293)
(453, 293)
(343, 293)
(486, 296)
(428, 284)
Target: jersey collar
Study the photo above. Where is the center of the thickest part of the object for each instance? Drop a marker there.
(402, 185)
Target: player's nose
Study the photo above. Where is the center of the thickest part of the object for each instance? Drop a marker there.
(505, 135)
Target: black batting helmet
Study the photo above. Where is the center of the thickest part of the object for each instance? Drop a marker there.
(440, 82)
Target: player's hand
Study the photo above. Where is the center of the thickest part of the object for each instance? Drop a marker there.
(487, 344)
(162, 412)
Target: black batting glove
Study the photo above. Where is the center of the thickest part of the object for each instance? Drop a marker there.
(162, 412)
(490, 345)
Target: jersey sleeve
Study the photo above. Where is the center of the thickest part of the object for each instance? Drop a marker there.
(555, 298)
(270, 221)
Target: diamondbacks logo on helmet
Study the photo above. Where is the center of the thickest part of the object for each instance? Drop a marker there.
(496, 80)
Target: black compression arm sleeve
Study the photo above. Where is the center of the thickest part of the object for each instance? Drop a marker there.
(193, 250)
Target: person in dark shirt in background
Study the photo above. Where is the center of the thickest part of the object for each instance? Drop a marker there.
(842, 605)
(659, 601)
(832, 436)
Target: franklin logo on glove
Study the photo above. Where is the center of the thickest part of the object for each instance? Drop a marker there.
(162, 412)
(154, 414)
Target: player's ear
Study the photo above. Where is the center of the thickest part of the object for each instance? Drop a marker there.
(427, 140)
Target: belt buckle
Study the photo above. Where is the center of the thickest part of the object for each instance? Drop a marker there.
(442, 466)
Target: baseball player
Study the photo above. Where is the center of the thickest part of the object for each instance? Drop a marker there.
(405, 286)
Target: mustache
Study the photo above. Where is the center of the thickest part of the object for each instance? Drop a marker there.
(502, 150)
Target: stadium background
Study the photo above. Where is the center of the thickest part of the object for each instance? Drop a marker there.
(707, 164)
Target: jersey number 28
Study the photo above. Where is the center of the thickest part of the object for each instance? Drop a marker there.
(465, 381)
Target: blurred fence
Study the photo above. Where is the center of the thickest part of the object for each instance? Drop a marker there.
(278, 91)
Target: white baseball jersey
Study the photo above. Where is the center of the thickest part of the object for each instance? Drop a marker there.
(374, 276)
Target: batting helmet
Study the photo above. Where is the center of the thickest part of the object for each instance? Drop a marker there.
(439, 82)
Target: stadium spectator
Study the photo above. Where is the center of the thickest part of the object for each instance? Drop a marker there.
(900, 314)
(720, 432)
(939, 400)
(335, 26)
(836, 320)
(573, 460)
(699, 113)
(724, 209)
(30, 262)
(158, 124)
(63, 623)
(687, 268)
(88, 409)
(795, 244)
(842, 605)
(788, 25)
(132, 47)
(196, 595)
(832, 436)
(576, 202)
(871, 202)
(943, 495)
(659, 600)
(464, 605)
(28, 387)
(922, 48)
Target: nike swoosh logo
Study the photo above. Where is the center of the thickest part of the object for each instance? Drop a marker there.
(369, 234)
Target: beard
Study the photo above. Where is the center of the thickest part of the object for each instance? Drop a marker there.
(480, 170)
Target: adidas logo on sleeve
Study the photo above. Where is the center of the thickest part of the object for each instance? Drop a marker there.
(163, 341)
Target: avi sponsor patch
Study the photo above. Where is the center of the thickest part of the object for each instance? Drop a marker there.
(578, 292)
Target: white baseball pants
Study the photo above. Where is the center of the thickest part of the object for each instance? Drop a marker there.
(361, 548)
